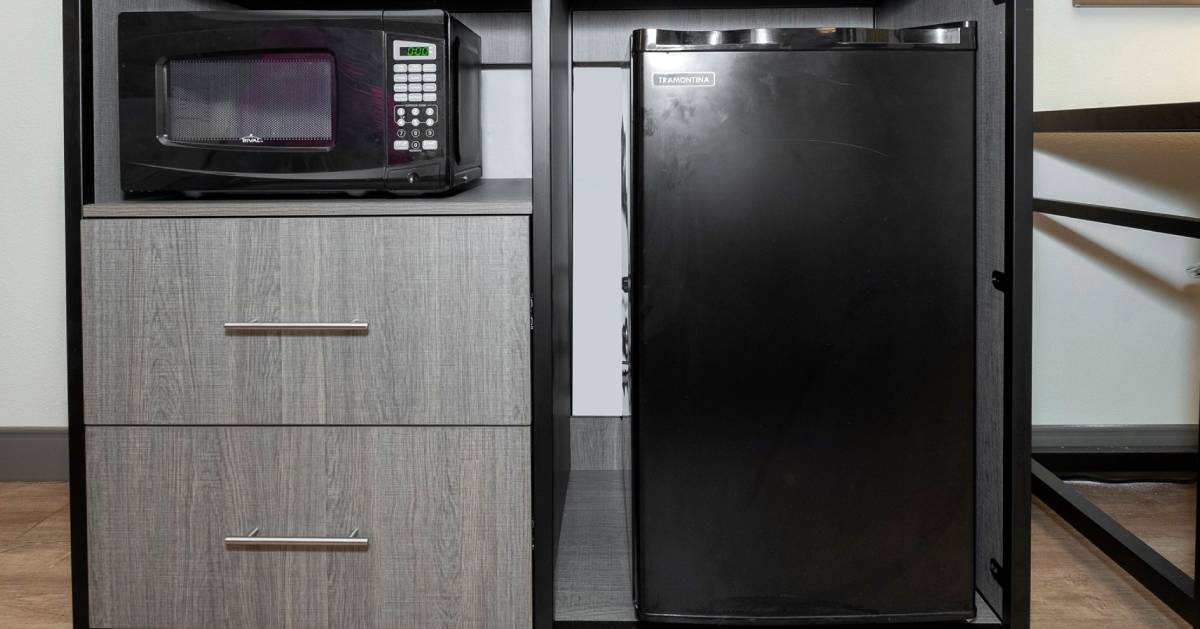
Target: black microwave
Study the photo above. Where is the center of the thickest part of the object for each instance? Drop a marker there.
(294, 101)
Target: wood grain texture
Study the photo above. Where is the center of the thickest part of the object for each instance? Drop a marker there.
(35, 552)
(1075, 586)
(597, 443)
(505, 36)
(594, 575)
(603, 36)
(1158, 513)
(490, 196)
(106, 114)
(447, 300)
(446, 511)
(990, 212)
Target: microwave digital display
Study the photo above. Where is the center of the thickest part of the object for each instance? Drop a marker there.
(415, 51)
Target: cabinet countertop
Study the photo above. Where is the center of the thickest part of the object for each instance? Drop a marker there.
(489, 196)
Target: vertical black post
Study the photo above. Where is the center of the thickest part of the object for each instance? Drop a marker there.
(77, 187)
(1018, 312)
(551, 290)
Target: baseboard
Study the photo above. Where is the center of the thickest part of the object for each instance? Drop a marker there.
(1119, 453)
(33, 454)
(1145, 438)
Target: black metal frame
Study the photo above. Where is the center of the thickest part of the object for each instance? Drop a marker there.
(1164, 579)
(1171, 117)
(1136, 219)
(551, 272)
(1018, 314)
(79, 187)
(551, 293)
(1161, 577)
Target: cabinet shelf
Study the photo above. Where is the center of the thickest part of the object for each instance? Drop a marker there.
(489, 196)
(1170, 117)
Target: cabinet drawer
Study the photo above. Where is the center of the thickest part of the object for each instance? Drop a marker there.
(445, 512)
(444, 300)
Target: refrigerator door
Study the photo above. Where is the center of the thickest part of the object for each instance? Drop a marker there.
(803, 265)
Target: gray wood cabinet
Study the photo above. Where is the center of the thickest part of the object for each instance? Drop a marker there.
(446, 511)
(446, 301)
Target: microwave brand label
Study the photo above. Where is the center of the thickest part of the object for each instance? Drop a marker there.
(252, 139)
(684, 79)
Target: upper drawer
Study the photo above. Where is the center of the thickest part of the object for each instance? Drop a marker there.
(445, 301)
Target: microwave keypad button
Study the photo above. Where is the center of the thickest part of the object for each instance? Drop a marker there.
(429, 67)
(429, 122)
(429, 133)
(429, 78)
(429, 111)
(400, 98)
(429, 87)
(399, 145)
(401, 87)
(429, 145)
(429, 98)
(400, 67)
(416, 111)
(414, 78)
(400, 78)
(415, 145)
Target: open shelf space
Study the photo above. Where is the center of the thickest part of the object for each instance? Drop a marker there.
(1170, 117)
(489, 196)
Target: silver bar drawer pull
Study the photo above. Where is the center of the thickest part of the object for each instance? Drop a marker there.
(254, 539)
(256, 326)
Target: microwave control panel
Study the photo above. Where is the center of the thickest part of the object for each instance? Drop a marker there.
(416, 101)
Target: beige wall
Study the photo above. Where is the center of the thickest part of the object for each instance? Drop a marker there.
(1116, 316)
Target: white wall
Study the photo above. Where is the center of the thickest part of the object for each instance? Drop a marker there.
(597, 310)
(1116, 316)
(1116, 326)
(32, 306)
(506, 100)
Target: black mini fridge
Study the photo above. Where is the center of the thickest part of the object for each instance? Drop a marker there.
(802, 300)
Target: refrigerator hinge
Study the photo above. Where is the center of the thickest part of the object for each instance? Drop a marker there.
(1000, 281)
(998, 572)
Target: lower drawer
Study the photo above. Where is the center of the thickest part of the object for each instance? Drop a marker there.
(445, 511)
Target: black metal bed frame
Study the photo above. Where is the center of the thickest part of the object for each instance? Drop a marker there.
(1163, 579)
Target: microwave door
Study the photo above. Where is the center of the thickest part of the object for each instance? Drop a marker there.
(251, 101)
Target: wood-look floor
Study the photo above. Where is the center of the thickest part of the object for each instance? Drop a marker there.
(1074, 585)
(35, 556)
